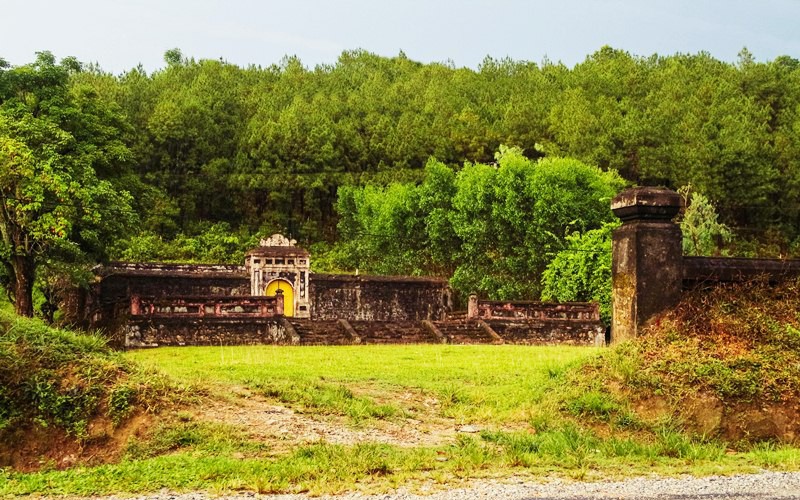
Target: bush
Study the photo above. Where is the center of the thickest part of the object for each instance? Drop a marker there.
(62, 379)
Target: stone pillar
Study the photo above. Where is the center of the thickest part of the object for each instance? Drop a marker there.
(472, 306)
(279, 302)
(136, 305)
(647, 262)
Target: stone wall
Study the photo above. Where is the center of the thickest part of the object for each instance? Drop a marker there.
(119, 281)
(494, 309)
(189, 306)
(539, 323)
(702, 270)
(142, 331)
(583, 332)
(378, 298)
(124, 291)
(649, 271)
(107, 304)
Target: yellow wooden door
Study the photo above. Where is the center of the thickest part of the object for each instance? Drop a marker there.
(288, 295)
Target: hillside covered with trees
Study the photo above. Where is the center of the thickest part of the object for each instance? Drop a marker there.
(449, 165)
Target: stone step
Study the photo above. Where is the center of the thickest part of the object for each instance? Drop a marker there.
(456, 316)
(323, 340)
(406, 332)
(548, 331)
(320, 333)
(464, 332)
(472, 337)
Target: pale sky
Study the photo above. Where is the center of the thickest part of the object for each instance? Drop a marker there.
(119, 34)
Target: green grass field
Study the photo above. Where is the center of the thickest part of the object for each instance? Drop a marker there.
(508, 395)
(487, 384)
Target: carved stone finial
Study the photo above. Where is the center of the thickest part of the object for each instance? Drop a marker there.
(277, 240)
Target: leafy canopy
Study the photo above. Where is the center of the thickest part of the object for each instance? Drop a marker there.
(492, 227)
(54, 141)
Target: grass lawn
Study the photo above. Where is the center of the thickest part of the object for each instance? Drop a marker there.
(487, 384)
(482, 411)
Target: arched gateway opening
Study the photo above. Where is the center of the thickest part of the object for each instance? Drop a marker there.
(288, 294)
(277, 264)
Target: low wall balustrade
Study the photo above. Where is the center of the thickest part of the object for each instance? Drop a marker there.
(207, 306)
(494, 309)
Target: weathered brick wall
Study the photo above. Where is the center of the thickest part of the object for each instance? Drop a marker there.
(551, 331)
(649, 270)
(107, 304)
(207, 305)
(119, 281)
(701, 270)
(378, 298)
(489, 309)
(179, 331)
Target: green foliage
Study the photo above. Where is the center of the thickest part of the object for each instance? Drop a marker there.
(582, 271)
(514, 218)
(210, 141)
(212, 243)
(51, 377)
(493, 227)
(203, 143)
(703, 234)
(62, 380)
(59, 145)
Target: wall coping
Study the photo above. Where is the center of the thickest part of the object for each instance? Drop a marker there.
(374, 278)
(537, 303)
(647, 204)
(182, 270)
(728, 269)
(186, 270)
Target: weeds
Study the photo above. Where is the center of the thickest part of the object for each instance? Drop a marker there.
(328, 398)
(183, 433)
(769, 454)
(121, 402)
(593, 403)
(62, 380)
(733, 344)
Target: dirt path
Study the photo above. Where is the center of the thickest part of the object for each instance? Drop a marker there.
(284, 427)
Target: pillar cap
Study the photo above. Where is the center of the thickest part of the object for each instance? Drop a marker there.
(647, 203)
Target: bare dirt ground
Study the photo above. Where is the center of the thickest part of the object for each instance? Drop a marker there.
(284, 427)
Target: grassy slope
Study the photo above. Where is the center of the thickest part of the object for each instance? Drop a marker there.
(61, 388)
(723, 364)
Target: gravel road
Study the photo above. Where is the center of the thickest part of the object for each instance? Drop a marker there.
(753, 486)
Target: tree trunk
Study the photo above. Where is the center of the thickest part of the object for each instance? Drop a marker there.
(23, 284)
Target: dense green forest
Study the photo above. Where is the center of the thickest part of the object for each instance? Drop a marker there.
(200, 158)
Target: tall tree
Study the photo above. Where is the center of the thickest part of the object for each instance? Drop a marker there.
(493, 228)
(53, 205)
